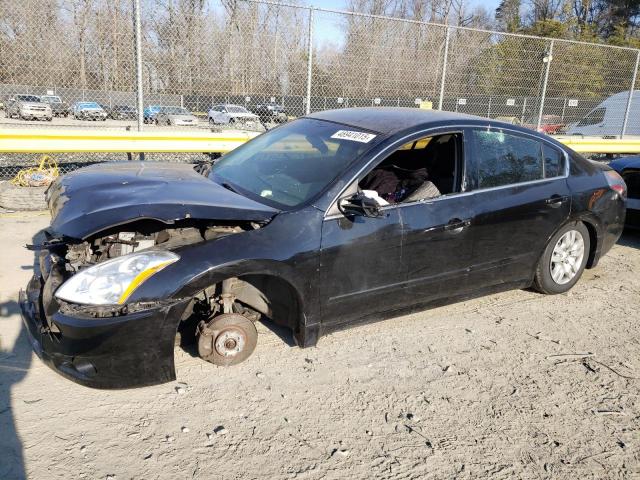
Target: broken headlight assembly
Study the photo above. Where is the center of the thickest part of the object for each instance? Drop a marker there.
(113, 281)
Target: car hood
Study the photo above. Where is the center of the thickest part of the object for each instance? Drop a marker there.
(243, 115)
(181, 117)
(91, 109)
(101, 196)
(625, 162)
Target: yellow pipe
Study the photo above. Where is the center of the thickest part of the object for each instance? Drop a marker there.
(39, 141)
(70, 141)
(601, 145)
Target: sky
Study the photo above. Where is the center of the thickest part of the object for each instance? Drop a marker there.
(327, 29)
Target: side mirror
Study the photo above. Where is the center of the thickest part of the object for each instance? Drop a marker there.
(359, 205)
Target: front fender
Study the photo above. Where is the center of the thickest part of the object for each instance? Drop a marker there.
(287, 248)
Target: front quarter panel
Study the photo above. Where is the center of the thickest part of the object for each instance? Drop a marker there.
(287, 248)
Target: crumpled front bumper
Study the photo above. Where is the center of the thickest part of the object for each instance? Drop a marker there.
(125, 351)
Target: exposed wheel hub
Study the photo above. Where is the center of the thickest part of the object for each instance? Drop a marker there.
(230, 342)
(227, 339)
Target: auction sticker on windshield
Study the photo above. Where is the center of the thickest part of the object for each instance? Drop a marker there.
(361, 137)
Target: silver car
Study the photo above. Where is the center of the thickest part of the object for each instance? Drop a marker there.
(175, 116)
(226, 113)
(28, 107)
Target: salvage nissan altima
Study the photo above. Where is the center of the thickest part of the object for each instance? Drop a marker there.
(336, 218)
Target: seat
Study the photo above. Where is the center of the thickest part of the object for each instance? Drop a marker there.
(424, 192)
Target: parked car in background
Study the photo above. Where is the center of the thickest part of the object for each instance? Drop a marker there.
(123, 112)
(629, 170)
(175, 116)
(58, 107)
(270, 113)
(149, 113)
(227, 113)
(28, 107)
(88, 111)
(550, 124)
(328, 221)
(608, 117)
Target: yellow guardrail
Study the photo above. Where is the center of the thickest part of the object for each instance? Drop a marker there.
(61, 141)
(601, 145)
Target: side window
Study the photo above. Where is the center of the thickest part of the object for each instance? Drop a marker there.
(419, 170)
(553, 161)
(505, 159)
(593, 118)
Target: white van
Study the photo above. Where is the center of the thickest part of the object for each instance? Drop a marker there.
(608, 117)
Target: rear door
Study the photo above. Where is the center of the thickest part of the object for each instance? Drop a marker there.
(520, 199)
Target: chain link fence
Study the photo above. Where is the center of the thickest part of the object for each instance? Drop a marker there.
(237, 55)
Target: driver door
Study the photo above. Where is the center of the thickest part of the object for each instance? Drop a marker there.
(361, 269)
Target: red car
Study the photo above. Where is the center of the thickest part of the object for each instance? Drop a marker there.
(551, 124)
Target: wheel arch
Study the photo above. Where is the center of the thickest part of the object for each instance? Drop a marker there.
(267, 287)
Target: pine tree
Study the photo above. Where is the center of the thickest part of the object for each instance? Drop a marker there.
(508, 15)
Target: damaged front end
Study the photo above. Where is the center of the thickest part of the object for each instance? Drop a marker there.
(114, 345)
(114, 342)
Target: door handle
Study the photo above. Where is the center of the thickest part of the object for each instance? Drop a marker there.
(456, 225)
(556, 200)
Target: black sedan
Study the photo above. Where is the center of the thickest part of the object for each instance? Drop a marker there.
(123, 112)
(336, 218)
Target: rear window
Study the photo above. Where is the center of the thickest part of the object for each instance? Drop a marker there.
(505, 159)
(28, 98)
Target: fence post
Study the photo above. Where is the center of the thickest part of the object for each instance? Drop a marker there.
(444, 68)
(138, 46)
(547, 58)
(309, 61)
(633, 86)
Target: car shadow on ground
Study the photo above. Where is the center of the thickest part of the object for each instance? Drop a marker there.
(630, 238)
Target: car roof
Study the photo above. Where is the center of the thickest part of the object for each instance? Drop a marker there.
(390, 120)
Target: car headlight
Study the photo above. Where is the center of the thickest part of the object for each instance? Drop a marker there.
(112, 282)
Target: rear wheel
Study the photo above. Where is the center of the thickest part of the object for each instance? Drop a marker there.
(564, 259)
(227, 339)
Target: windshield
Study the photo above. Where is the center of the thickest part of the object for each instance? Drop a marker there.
(175, 111)
(51, 99)
(289, 165)
(236, 109)
(28, 98)
(88, 105)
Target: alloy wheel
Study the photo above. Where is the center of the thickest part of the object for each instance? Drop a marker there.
(567, 257)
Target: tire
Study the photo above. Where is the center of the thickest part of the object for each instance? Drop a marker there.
(227, 340)
(564, 259)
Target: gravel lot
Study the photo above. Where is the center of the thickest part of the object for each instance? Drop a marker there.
(515, 385)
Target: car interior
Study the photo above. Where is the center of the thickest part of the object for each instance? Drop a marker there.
(419, 170)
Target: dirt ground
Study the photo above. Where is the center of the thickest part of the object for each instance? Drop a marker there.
(515, 385)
